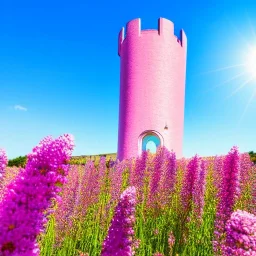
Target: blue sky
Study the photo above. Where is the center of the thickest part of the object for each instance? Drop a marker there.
(59, 72)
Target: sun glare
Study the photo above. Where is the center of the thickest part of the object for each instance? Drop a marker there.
(251, 62)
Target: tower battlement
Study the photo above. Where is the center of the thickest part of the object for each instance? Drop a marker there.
(165, 29)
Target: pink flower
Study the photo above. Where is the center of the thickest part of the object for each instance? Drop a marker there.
(171, 240)
(199, 191)
(229, 192)
(25, 205)
(189, 183)
(245, 165)
(120, 238)
(116, 179)
(240, 234)
(138, 173)
(3, 162)
(158, 168)
(168, 177)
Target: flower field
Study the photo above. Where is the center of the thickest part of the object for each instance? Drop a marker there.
(152, 205)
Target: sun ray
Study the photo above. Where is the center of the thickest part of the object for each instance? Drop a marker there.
(238, 32)
(225, 82)
(251, 28)
(221, 69)
(246, 107)
(241, 86)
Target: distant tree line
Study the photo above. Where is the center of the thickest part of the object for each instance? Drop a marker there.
(22, 160)
(18, 161)
(253, 156)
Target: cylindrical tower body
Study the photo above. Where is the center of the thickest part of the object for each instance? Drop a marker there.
(152, 88)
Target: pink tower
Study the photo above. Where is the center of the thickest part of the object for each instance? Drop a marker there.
(152, 89)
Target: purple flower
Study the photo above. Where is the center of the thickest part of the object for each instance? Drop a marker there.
(198, 193)
(254, 192)
(245, 166)
(120, 238)
(24, 206)
(217, 174)
(229, 192)
(89, 189)
(116, 175)
(189, 183)
(111, 163)
(66, 207)
(158, 165)
(240, 234)
(168, 177)
(171, 240)
(138, 173)
(3, 162)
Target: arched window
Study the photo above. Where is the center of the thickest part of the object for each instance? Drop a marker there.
(150, 142)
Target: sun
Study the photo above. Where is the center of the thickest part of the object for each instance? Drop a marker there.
(250, 62)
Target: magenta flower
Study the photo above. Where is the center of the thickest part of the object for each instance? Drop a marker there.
(102, 168)
(116, 178)
(89, 189)
(3, 162)
(245, 165)
(189, 183)
(217, 174)
(254, 192)
(229, 192)
(171, 240)
(138, 173)
(24, 206)
(158, 168)
(168, 177)
(240, 234)
(120, 238)
(199, 191)
(66, 207)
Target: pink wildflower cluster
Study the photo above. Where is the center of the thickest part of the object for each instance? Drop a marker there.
(228, 193)
(245, 165)
(3, 162)
(89, 189)
(138, 173)
(158, 169)
(168, 178)
(66, 207)
(189, 183)
(23, 208)
(199, 190)
(254, 192)
(171, 240)
(240, 234)
(116, 179)
(120, 238)
(217, 174)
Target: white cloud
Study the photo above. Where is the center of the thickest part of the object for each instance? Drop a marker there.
(19, 107)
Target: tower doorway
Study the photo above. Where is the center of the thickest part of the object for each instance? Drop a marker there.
(150, 142)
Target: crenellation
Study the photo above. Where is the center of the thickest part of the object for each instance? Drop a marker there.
(120, 40)
(183, 39)
(165, 29)
(133, 27)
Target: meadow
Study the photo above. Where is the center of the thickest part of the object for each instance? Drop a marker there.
(154, 204)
